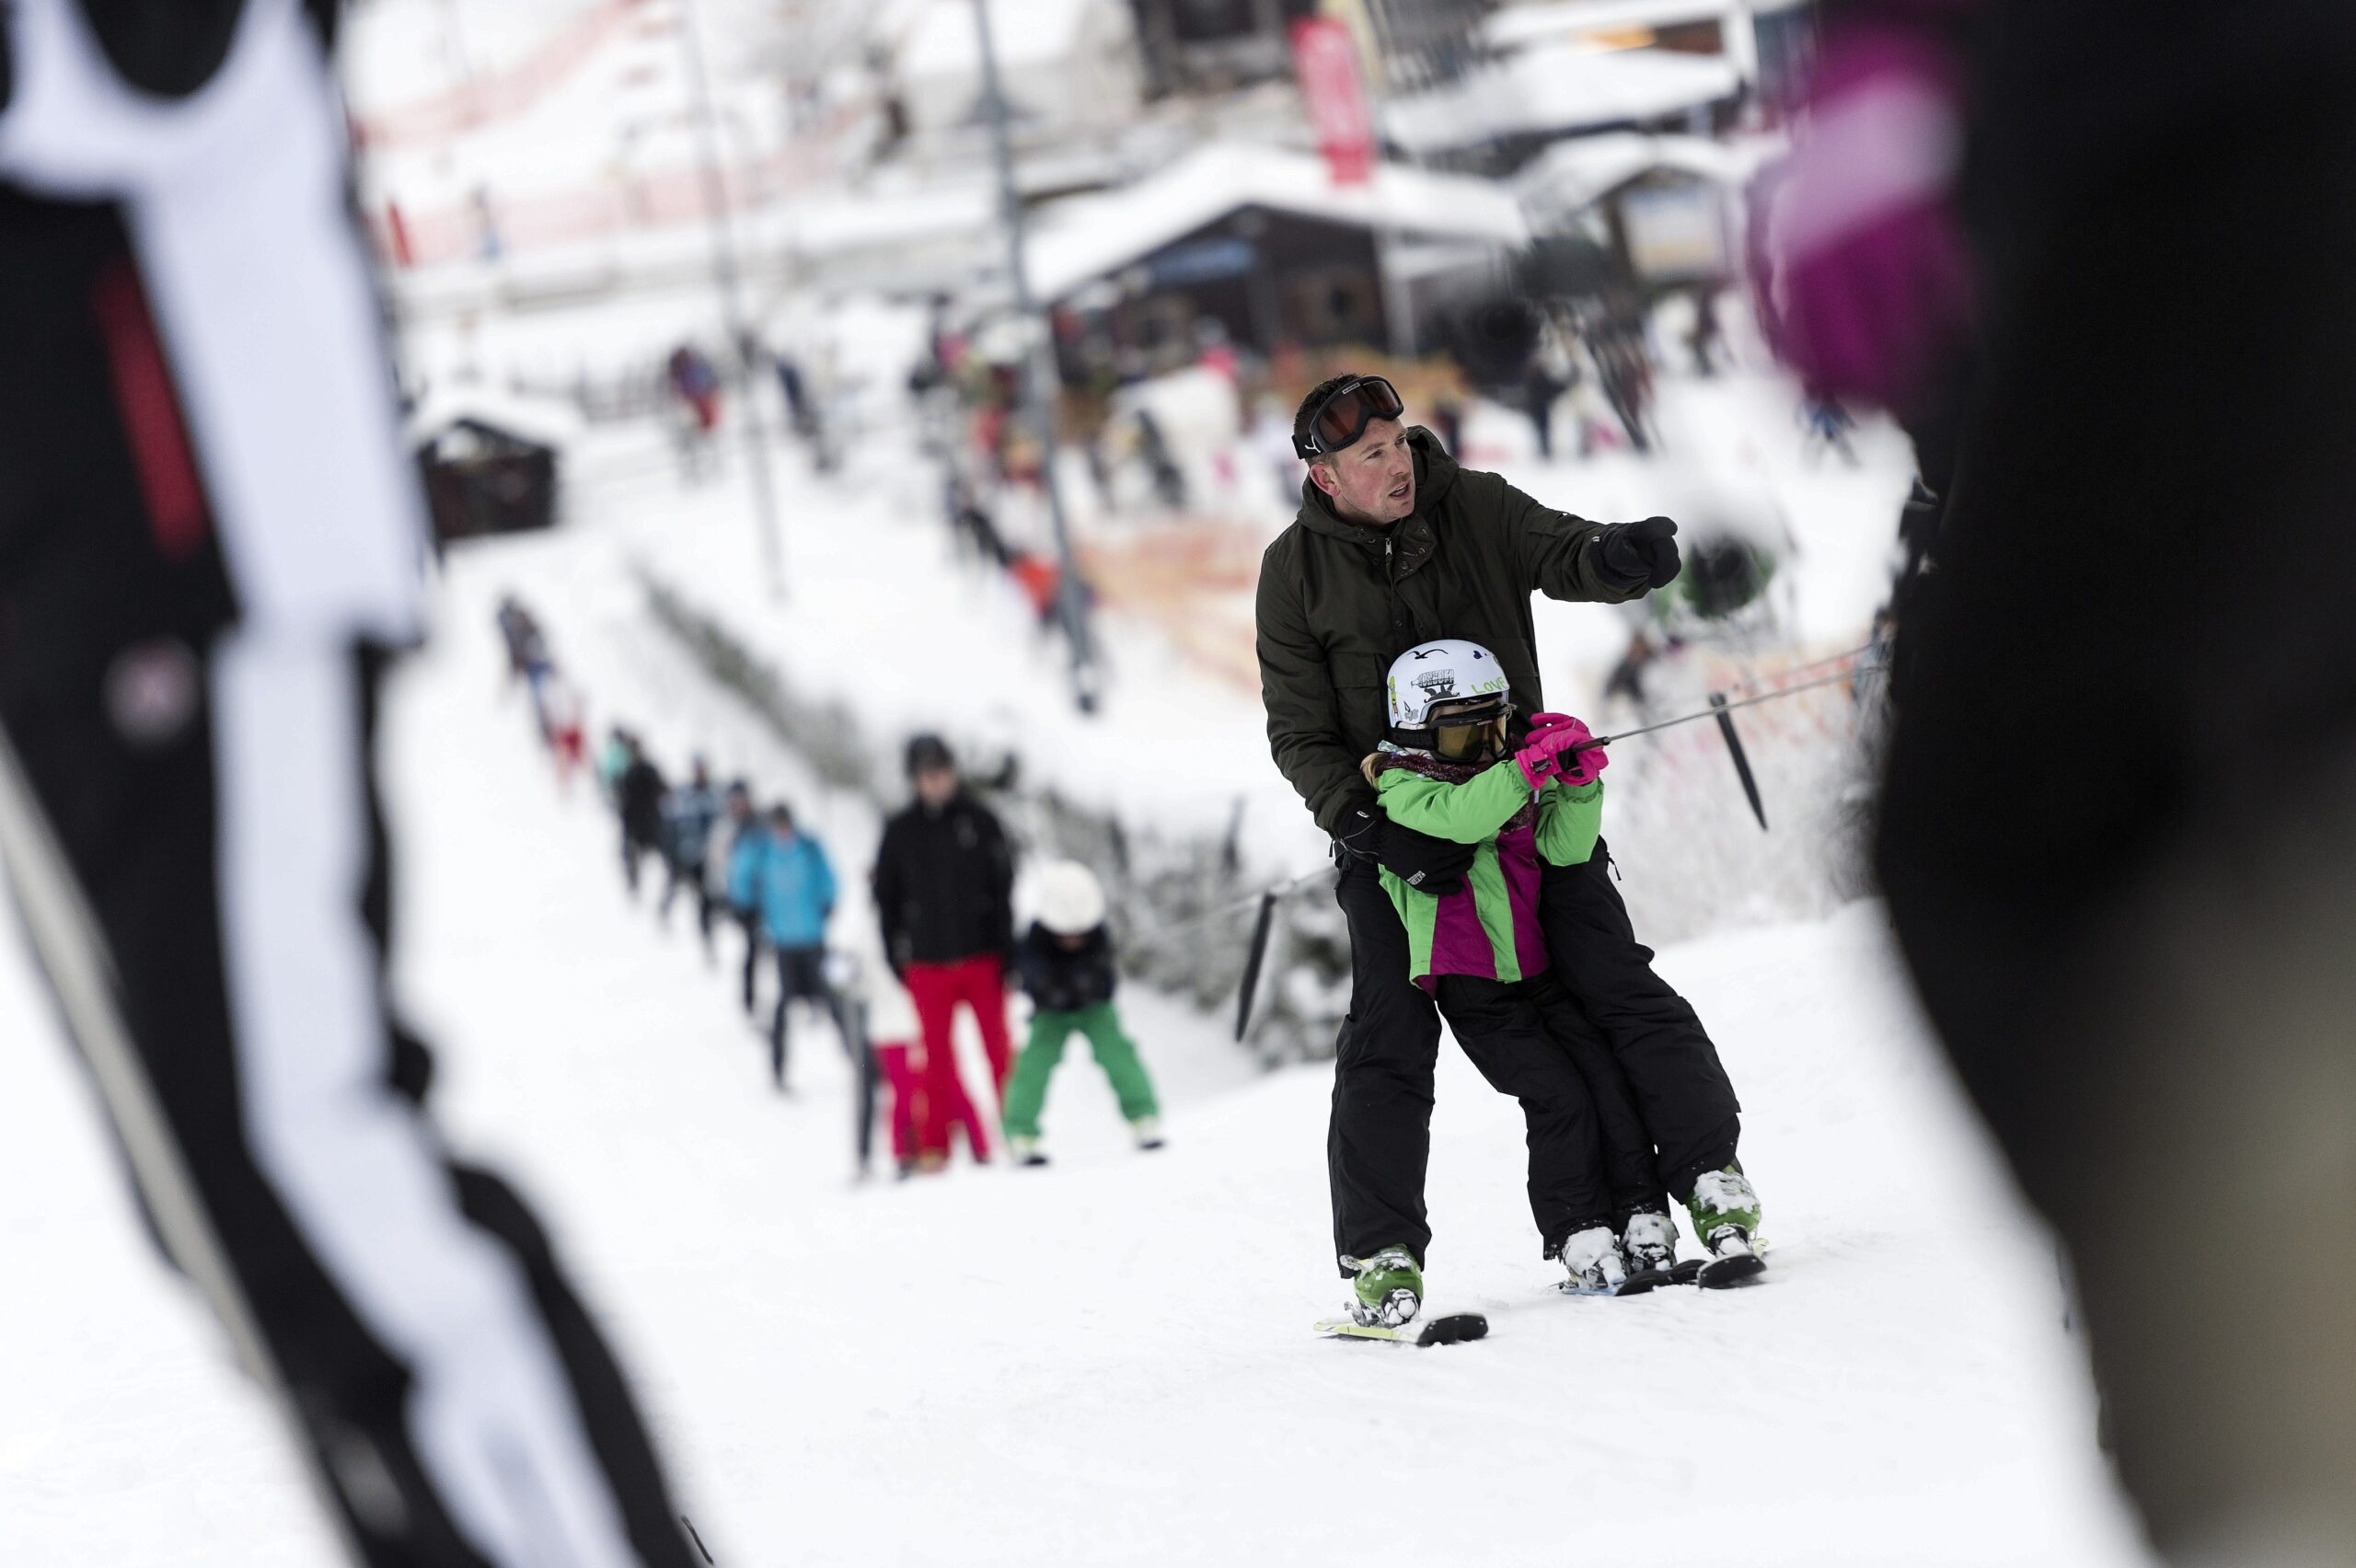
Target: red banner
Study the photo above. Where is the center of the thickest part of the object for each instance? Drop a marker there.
(1325, 57)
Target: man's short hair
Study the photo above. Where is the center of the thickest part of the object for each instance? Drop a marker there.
(1308, 409)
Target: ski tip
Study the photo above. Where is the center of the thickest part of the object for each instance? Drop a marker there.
(1720, 1273)
(1455, 1328)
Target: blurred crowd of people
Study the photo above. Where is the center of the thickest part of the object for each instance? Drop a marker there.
(943, 890)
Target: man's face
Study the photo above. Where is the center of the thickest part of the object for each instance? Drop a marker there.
(1372, 479)
(935, 785)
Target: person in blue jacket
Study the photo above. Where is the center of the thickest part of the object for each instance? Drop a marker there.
(785, 874)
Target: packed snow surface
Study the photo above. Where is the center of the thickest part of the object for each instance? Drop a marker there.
(1106, 1361)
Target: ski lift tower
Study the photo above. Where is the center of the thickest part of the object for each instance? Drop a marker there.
(1039, 379)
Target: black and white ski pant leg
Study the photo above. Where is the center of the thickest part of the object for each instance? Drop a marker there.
(206, 532)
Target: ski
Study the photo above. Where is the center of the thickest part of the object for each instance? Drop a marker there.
(1453, 1329)
(1712, 1273)
(1708, 1273)
(1720, 1273)
(1635, 1284)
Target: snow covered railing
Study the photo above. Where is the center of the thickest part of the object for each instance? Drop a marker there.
(1166, 891)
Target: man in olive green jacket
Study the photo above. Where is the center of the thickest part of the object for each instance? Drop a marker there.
(1396, 545)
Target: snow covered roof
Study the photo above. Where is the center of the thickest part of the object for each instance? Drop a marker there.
(943, 41)
(1078, 241)
(1577, 171)
(1514, 26)
(1559, 86)
(542, 420)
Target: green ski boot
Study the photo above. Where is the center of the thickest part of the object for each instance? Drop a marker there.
(1388, 1290)
(1726, 1217)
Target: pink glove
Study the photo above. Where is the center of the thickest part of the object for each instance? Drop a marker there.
(1552, 753)
(1872, 275)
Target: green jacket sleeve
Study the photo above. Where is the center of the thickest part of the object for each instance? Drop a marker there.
(1304, 722)
(1569, 822)
(1557, 550)
(1469, 813)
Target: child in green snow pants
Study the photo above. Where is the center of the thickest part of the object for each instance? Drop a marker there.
(1026, 1091)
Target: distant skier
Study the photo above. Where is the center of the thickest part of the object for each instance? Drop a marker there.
(689, 813)
(520, 634)
(694, 387)
(1066, 964)
(785, 874)
(944, 885)
(561, 714)
(639, 800)
(613, 761)
(737, 829)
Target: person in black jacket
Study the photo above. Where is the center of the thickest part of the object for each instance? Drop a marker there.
(944, 895)
(640, 796)
(1066, 962)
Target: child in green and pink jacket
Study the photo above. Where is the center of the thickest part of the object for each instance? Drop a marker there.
(1447, 770)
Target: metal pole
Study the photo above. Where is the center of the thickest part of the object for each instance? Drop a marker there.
(1040, 381)
(723, 267)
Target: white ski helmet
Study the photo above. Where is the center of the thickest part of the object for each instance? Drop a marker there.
(1071, 902)
(1449, 671)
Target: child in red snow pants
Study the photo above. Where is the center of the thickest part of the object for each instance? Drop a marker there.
(936, 989)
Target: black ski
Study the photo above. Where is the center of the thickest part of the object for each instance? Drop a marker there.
(1456, 1328)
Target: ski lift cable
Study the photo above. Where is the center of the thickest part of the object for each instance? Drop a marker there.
(1722, 707)
(1291, 885)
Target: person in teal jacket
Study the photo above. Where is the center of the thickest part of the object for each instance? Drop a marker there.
(785, 874)
(1448, 771)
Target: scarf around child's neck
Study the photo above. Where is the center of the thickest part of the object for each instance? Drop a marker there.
(1432, 765)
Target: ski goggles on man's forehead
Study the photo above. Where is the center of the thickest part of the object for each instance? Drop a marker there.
(1345, 413)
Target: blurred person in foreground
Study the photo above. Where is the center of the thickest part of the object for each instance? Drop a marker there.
(210, 543)
(944, 898)
(2130, 227)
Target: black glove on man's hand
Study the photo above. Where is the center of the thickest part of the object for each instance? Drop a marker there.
(1638, 555)
(1423, 862)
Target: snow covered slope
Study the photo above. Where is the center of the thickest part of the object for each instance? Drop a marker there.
(1106, 1361)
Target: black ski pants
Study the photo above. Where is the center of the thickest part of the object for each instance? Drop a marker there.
(749, 920)
(1378, 1141)
(1670, 1067)
(189, 820)
(800, 976)
(1505, 1031)
(1379, 1137)
(688, 874)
